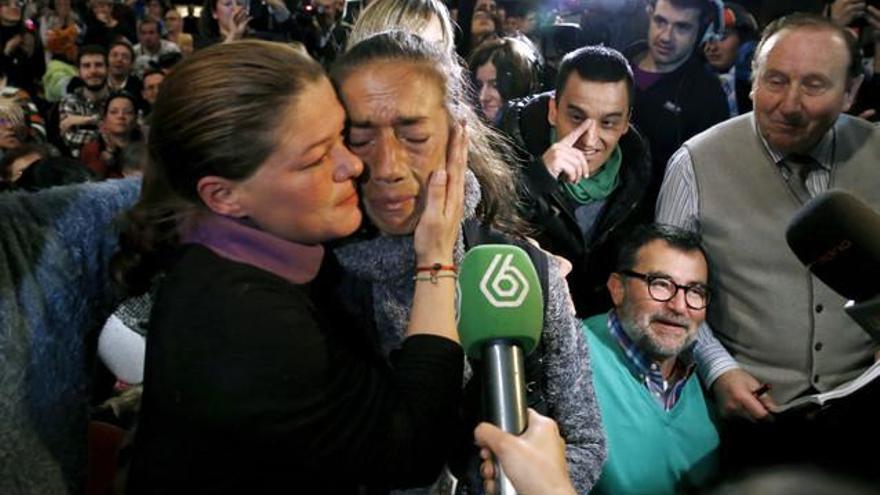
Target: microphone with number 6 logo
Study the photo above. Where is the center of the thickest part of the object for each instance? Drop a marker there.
(502, 313)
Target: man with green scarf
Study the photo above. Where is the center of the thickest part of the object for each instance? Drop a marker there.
(585, 168)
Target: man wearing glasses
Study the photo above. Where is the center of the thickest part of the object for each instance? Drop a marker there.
(661, 434)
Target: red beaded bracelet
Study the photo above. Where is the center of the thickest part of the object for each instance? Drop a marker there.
(437, 267)
(434, 272)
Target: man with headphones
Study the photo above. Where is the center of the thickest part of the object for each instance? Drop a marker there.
(676, 95)
(730, 56)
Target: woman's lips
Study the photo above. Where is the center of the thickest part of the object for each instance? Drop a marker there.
(350, 199)
(393, 203)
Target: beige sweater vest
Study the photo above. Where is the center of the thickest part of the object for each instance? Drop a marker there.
(781, 324)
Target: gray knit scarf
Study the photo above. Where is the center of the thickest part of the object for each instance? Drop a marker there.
(388, 263)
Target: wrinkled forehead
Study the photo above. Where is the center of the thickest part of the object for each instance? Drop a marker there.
(786, 46)
(387, 87)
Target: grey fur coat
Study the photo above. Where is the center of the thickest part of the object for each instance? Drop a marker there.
(55, 292)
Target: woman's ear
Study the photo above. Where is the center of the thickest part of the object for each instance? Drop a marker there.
(221, 196)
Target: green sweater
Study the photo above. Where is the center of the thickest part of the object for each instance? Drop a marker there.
(650, 451)
(58, 74)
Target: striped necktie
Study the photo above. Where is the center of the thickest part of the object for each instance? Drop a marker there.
(799, 167)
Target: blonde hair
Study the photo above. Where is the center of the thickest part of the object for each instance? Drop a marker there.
(12, 111)
(406, 15)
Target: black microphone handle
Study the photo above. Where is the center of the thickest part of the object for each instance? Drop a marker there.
(505, 395)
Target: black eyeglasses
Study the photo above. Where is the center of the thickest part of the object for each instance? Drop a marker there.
(661, 289)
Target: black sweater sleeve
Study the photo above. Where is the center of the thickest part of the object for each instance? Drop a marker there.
(247, 376)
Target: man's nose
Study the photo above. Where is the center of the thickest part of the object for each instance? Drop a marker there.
(678, 303)
(791, 100)
(665, 33)
(590, 138)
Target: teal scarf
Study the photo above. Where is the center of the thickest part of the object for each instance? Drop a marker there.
(599, 185)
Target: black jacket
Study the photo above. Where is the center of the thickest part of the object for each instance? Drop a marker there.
(254, 383)
(550, 213)
(680, 105)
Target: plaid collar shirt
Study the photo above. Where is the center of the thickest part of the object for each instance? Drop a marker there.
(647, 371)
(78, 104)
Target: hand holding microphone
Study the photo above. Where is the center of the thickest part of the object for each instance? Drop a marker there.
(535, 461)
(501, 319)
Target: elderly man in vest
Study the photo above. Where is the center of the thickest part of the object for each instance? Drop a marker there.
(740, 183)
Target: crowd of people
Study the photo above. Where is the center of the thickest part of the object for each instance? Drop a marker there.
(311, 175)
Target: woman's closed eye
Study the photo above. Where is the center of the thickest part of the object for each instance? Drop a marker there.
(357, 138)
(415, 139)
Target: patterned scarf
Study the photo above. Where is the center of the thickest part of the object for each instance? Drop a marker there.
(598, 185)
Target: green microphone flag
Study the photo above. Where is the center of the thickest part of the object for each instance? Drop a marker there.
(500, 297)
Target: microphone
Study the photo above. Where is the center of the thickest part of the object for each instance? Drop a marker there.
(501, 316)
(837, 236)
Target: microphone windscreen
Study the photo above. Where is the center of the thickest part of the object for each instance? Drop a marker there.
(837, 236)
(500, 297)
